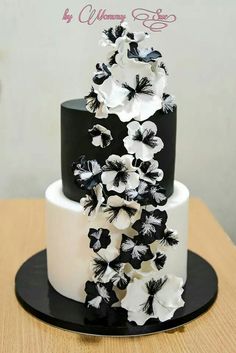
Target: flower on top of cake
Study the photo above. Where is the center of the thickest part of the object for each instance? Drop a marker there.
(132, 83)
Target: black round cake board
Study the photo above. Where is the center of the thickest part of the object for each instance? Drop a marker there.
(38, 297)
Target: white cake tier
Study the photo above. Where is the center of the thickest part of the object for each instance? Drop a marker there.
(68, 252)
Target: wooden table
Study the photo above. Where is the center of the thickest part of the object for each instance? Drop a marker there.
(22, 234)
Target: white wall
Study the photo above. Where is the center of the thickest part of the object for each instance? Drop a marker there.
(44, 61)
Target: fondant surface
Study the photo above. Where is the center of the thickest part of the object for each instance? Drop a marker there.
(76, 121)
(68, 252)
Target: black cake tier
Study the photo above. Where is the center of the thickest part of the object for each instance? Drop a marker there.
(76, 120)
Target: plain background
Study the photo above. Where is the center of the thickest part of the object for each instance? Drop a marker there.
(44, 61)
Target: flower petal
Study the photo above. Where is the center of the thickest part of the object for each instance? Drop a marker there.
(113, 93)
(122, 221)
(132, 181)
(115, 201)
(131, 302)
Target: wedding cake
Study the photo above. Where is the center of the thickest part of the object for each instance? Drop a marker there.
(117, 222)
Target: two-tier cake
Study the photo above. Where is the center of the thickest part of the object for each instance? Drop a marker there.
(117, 222)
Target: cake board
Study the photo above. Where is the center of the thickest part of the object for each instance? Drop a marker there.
(38, 297)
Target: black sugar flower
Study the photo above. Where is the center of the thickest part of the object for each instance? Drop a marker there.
(87, 173)
(120, 280)
(99, 238)
(100, 297)
(151, 226)
(148, 194)
(157, 195)
(133, 251)
(159, 260)
(170, 237)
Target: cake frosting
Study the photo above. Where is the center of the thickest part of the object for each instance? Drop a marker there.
(117, 222)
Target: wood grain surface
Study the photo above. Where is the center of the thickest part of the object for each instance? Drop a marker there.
(22, 235)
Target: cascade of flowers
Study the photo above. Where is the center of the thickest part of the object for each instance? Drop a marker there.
(126, 190)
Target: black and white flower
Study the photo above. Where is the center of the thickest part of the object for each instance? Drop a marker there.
(150, 171)
(157, 195)
(87, 173)
(138, 194)
(101, 137)
(170, 237)
(168, 103)
(95, 104)
(106, 265)
(154, 297)
(121, 213)
(148, 194)
(142, 140)
(99, 297)
(141, 101)
(133, 251)
(145, 55)
(92, 202)
(151, 226)
(114, 37)
(101, 74)
(119, 173)
(112, 93)
(159, 261)
(120, 280)
(99, 238)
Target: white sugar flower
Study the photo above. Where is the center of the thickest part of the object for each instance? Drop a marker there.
(95, 104)
(114, 37)
(150, 172)
(154, 297)
(119, 174)
(137, 80)
(142, 140)
(112, 92)
(101, 137)
(121, 213)
(145, 85)
(106, 265)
